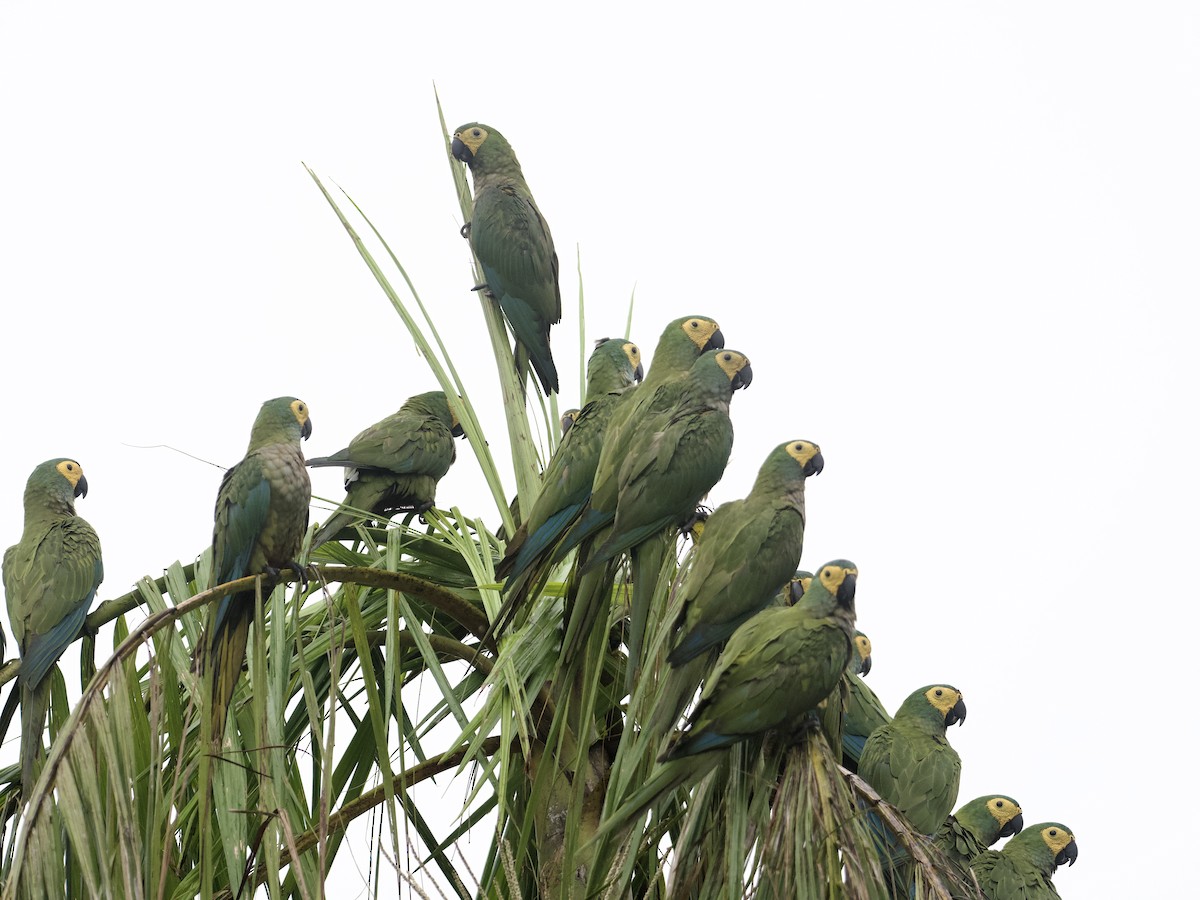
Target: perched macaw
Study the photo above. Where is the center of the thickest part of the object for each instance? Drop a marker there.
(614, 370)
(1022, 869)
(395, 464)
(260, 520)
(748, 551)
(975, 826)
(790, 593)
(565, 492)
(50, 579)
(910, 762)
(512, 243)
(673, 459)
(777, 666)
(864, 712)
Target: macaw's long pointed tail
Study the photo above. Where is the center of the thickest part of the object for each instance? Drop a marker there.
(34, 703)
(679, 686)
(588, 601)
(646, 561)
(225, 651)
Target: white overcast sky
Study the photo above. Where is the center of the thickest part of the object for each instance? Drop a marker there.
(958, 242)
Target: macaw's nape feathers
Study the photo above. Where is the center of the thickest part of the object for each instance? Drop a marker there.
(50, 580)
(513, 244)
(259, 523)
(394, 465)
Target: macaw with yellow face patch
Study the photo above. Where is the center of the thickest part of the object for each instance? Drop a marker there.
(260, 520)
(50, 579)
(513, 244)
(974, 827)
(864, 712)
(910, 762)
(1022, 869)
(748, 551)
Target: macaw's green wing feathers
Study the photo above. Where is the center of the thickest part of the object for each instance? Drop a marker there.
(510, 238)
(749, 550)
(394, 465)
(1023, 869)
(259, 522)
(776, 667)
(864, 713)
(50, 579)
(910, 762)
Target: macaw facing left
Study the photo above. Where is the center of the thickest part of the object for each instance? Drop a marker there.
(50, 579)
(513, 244)
(260, 520)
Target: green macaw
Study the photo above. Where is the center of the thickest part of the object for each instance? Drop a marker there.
(910, 762)
(748, 552)
(394, 465)
(680, 345)
(775, 668)
(1022, 869)
(864, 712)
(260, 520)
(50, 579)
(974, 827)
(512, 243)
(674, 457)
(614, 368)
(790, 593)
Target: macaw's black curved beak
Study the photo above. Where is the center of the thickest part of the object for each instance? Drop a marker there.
(460, 151)
(845, 591)
(715, 342)
(957, 714)
(815, 466)
(1067, 855)
(795, 591)
(639, 373)
(743, 378)
(81, 487)
(1014, 826)
(457, 430)
(306, 429)
(866, 667)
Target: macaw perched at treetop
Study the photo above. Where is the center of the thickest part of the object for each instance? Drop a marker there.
(673, 458)
(748, 551)
(614, 370)
(512, 243)
(394, 465)
(910, 762)
(975, 826)
(680, 345)
(1022, 869)
(260, 520)
(50, 579)
(777, 666)
(864, 712)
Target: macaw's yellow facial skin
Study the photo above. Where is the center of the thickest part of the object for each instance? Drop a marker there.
(50, 580)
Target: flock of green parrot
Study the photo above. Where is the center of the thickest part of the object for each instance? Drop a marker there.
(767, 646)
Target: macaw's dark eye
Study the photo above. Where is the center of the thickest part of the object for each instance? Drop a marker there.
(938, 693)
(1053, 833)
(999, 804)
(475, 132)
(694, 325)
(70, 468)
